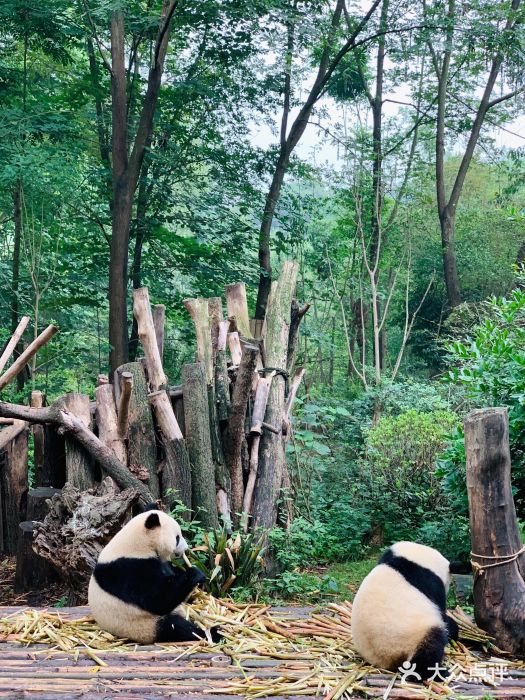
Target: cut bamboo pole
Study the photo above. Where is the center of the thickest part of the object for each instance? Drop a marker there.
(31, 350)
(126, 388)
(146, 330)
(11, 345)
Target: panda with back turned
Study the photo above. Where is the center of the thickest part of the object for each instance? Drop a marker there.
(134, 589)
(399, 611)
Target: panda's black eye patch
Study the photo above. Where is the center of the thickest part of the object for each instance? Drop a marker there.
(178, 539)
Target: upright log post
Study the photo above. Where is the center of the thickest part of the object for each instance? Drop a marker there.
(499, 567)
(271, 455)
(222, 391)
(146, 330)
(159, 320)
(80, 470)
(126, 387)
(107, 421)
(199, 443)
(37, 401)
(142, 452)
(235, 435)
(238, 308)
(176, 473)
(32, 571)
(13, 488)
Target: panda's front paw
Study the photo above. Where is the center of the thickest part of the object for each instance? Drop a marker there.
(196, 576)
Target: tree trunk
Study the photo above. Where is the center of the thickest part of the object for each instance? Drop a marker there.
(499, 588)
(33, 572)
(271, 456)
(199, 444)
(450, 269)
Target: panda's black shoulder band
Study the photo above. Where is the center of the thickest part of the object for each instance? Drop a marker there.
(418, 576)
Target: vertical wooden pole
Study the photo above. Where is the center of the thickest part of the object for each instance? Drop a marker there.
(14, 486)
(142, 451)
(80, 470)
(499, 591)
(37, 401)
(159, 320)
(271, 454)
(199, 443)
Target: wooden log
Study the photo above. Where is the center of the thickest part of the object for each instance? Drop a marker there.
(499, 586)
(296, 315)
(37, 401)
(8, 434)
(222, 382)
(80, 470)
(31, 350)
(77, 527)
(271, 454)
(216, 317)
(37, 502)
(14, 486)
(176, 473)
(238, 307)
(126, 387)
(256, 327)
(260, 401)
(102, 379)
(198, 310)
(234, 344)
(141, 441)
(107, 422)
(54, 469)
(33, 572)
(159, 320)
(235, 431)
(11, 345)
(199, 443)
(292, 393)
(70, 424)
(146, 330)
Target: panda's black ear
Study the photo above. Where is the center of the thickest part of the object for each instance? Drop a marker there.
(152, 521)
(150, 506)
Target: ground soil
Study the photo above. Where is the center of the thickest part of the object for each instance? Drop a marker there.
(47, 597)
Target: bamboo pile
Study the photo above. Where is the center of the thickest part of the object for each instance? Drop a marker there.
(216, 443)
(266, 652)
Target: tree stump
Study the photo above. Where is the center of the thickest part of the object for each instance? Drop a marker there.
(79, 524)
(32, 571)
(499, 586)
(37, 505)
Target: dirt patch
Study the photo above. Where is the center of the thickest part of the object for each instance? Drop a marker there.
(47, 597)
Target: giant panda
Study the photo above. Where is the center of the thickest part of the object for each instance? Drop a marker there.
(134, 589)
(399, 611)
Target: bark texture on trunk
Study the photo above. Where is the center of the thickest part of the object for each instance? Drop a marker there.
(499, 586)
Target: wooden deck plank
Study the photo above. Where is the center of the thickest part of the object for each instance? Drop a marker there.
(37, 672)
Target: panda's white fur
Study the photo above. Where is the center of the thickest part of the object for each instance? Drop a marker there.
(134, 587)
(399, 614)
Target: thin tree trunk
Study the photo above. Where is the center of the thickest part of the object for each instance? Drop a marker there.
(15, 305)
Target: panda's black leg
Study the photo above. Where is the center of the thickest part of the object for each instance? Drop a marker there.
(175, 628)
(428, 659)
(452, 628)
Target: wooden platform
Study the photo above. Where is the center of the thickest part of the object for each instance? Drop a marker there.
(146, 672)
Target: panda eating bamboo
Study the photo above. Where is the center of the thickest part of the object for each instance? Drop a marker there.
(134, 589)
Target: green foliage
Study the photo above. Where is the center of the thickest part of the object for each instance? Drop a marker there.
(490, 364)
(231, 561)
